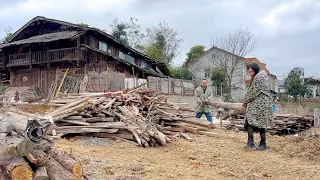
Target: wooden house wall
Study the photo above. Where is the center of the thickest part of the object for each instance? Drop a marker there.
(27, 77)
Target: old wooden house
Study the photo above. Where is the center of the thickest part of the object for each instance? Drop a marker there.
(43, 45)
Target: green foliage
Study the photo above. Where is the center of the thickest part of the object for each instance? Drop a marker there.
(160, 42)
(219, 78)
(180, 72)
(8, 35)
(128, 33)
(194, 52)
(83, 25)
(294, 84)
(119, 31)
(163, 40)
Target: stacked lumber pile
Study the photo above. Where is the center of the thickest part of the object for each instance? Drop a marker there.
(140, 115)
(26, 153)
(283, 124)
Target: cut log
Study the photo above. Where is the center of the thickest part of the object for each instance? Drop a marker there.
(41, 174)
(66, 161)
(233, 106)
(19, 169)
(54, 169)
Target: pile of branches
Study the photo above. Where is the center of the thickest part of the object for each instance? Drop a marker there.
(140, 116)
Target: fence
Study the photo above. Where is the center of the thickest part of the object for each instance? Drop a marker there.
(171, 86)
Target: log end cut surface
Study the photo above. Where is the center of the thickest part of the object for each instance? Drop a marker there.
(21, 173)
(77, 169)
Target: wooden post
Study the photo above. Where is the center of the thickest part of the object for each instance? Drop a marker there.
(78, 50)
(48, 56)
(2, 58)
(317, 118)
(30, 58)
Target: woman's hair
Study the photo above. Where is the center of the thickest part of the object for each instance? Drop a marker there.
(255, 67)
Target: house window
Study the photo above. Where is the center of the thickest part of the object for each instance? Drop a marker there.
(126, 57)
(144, 64)
(207, 73)
(213, 56)
(104, 47)
(129, 58)
(122, 55)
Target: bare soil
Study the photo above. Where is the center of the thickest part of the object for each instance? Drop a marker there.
(206, 158)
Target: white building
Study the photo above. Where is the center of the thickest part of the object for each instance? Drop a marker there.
(201, 68)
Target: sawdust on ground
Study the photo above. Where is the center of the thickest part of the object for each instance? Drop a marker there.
(206, 158)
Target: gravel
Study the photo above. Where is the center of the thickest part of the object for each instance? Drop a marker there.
(94, 142)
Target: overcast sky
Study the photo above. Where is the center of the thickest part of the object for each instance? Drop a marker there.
(288, 30)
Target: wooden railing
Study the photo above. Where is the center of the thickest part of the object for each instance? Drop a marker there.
(43, 57)
(21, 59)
(63, 54)
(39, 57)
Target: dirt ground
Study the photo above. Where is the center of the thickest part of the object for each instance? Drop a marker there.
(213, 158)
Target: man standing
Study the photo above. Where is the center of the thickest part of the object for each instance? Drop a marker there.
(203, 93)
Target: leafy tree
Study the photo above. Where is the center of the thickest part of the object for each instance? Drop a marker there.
(119, 31)
(295, 85)
(239, 44)
(180, 72)
(128, 33)
(219, 79)
(9, 33)
(163, 41)
(194, 52)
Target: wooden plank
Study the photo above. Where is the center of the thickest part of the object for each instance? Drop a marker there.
(175, 129)
(317, 118)
(75, 117)
(212, 134)
(198, 122)
(191, 130)
(80, 123)
(186, 136)
(86, 130)
(128, 136)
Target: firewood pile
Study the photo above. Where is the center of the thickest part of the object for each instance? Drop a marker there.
(141, 116)
(283, 124)
(26, 153)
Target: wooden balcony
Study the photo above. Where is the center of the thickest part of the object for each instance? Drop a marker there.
(41, 57)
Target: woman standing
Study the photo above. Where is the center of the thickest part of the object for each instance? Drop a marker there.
(258, 106)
